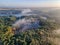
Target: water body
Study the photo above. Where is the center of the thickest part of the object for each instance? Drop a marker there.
(17, 15)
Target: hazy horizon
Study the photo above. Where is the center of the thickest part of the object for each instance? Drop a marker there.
(29, 3)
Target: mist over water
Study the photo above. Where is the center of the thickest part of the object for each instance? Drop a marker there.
(25, 24)
(31, 23)
(28, 22)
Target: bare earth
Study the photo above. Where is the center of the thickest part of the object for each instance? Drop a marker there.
(56, 39)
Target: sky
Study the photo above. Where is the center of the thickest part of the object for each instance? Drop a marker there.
(30, 3)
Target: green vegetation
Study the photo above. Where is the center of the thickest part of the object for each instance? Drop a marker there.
(40, 36)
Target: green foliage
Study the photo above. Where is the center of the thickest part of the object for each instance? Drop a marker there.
(39, 36)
